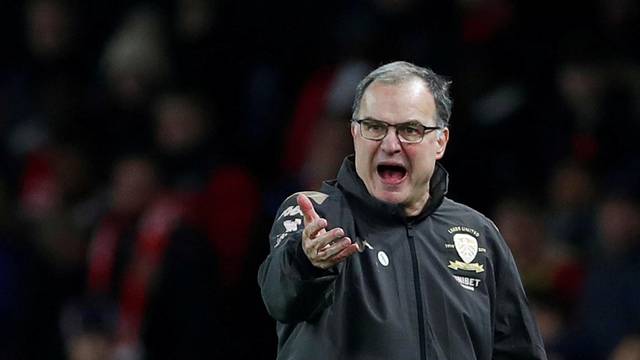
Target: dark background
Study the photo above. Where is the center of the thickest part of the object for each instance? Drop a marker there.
(115, 114)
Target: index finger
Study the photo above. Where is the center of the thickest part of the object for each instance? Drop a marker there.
(307, 209)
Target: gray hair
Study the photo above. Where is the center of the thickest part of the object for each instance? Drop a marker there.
(400, 71)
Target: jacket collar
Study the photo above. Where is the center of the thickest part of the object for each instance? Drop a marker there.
(353, 187)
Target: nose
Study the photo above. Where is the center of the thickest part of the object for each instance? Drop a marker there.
(390, 143)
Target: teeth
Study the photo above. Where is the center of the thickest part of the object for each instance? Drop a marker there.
(391, 172)
(391, 167)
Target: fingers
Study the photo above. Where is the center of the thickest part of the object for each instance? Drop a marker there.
(323, 238)
(314, 225)
(307, 209)
(334, 253)
(329, 248)
(313, 229)
(331, 236)
(323, 248)
(349, 250)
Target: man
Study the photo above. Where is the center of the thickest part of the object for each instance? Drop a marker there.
(380, 264)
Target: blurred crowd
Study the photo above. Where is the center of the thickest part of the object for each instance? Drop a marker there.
(146, 145)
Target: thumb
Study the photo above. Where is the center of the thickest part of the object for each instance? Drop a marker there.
(307, 209)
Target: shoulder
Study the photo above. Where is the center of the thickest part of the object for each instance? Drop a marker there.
(462, 214)
(320, 199)
(289, 218)
(316, 196)
(290, 203)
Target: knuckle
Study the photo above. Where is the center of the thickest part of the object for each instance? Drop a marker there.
(308, 249)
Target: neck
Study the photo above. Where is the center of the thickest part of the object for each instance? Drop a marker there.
(415, 207)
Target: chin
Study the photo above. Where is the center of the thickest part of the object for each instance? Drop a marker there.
(390, 197)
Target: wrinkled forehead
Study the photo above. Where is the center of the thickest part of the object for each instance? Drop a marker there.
(396, 102)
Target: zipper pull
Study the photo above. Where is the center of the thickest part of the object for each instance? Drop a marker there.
(410, 231)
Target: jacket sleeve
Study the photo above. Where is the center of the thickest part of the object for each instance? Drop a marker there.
(516, 334)
(292, 289)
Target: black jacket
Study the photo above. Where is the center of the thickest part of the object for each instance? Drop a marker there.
(440, 285)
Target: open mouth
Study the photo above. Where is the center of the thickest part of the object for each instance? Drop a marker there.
(391, 174)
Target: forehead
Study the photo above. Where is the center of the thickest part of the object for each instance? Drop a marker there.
(398, 102)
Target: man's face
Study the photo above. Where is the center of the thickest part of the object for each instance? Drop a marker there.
(392, 171)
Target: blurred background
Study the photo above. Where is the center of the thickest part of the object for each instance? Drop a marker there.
(145, 147)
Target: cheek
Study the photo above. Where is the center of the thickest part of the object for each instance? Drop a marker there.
(422, 161)
(365, 154)
(364, 151)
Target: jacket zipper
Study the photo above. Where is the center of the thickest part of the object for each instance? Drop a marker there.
(417, 287)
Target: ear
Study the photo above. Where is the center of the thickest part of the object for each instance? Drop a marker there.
(353, 130)
(441, 143)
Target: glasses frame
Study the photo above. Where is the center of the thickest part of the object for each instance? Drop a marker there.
(425, 129)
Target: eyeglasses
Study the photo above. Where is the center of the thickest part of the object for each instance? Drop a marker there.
(410, 132)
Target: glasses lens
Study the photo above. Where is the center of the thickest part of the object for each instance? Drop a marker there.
(410, 133)
(373, 130)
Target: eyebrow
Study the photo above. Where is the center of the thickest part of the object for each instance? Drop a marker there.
(410, 121)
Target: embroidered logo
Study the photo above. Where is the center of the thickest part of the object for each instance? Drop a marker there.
(279, 239)
(459, 265)
(291, 225)
(467, 282)
(465, 243)
(291, 211)
(466, 246)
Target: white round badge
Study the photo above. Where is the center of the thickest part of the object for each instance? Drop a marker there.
(383, 258)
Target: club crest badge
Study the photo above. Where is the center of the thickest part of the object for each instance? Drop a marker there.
(466, 245)
(465, 242)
